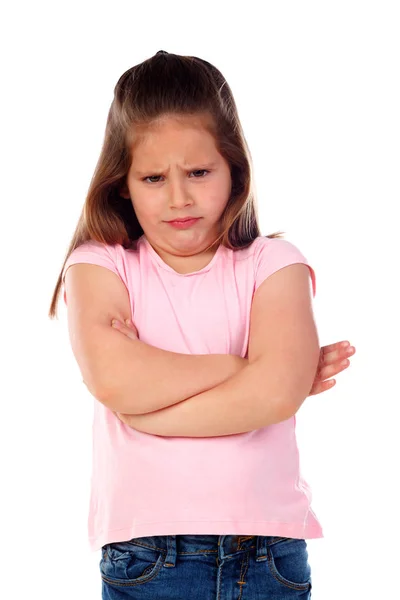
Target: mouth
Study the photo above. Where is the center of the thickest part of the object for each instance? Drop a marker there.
(183, 223)
(183, 220)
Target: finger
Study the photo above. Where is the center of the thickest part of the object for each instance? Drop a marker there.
(123, 325)
(322, 386)
(130, 324)
(123, 329)
(336, 355)
(335, 346)
(328, 371)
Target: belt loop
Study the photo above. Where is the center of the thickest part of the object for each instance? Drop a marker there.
(261, 548)
(170, 559)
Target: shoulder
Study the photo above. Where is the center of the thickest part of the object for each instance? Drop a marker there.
(264, 249)
(272, 254)
(273, 247)
(92, 252)
(114, 257)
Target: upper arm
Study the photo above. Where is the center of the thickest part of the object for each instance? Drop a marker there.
(283, 331)
(95, 295)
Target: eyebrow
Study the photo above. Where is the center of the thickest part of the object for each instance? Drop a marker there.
(198, 166)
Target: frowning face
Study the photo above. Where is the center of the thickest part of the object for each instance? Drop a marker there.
(177, 172)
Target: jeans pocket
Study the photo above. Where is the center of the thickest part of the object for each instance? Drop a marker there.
(288, 563)
(126, 563)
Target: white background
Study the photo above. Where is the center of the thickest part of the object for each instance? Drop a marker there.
(317, 89)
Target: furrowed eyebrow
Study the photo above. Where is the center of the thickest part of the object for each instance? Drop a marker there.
(196, 167)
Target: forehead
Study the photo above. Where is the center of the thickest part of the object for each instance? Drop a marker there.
(186, 139)
(174, 128)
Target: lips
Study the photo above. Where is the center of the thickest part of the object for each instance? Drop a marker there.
(185, 223)
(182, 220)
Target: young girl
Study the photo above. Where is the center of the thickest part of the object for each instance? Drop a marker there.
(196, 487)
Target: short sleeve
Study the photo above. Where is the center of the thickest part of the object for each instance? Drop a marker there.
(94, 253)
(273, 254)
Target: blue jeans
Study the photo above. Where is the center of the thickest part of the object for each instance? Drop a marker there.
(206, 567)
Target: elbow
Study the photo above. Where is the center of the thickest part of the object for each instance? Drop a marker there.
(106, 397)
(98, 392)
(115, 391)
(119, 401)
(113, 401)
(103, 392)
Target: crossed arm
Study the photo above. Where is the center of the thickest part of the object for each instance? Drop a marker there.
(266, 389)
(235, 406)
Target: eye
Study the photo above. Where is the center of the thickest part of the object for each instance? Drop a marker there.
(200, 171)
(150, 177)
(155, 176)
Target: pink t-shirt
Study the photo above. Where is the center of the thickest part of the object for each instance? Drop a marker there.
(248, 483)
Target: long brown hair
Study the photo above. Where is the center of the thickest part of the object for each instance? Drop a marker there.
(165, 85)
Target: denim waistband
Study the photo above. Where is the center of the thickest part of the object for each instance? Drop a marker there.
(223, 546)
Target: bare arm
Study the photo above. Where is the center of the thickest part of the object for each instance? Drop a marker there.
(237, 405)
(138, 388)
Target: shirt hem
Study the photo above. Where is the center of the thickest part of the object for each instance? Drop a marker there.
(262, 528)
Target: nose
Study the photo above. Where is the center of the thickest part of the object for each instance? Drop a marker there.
(179, 196)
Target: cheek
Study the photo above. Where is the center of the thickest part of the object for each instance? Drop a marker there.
(145, 210)
(222, 195)
(217, 206)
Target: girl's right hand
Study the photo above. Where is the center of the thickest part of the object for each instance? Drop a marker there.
(126, 328)
(333, 359)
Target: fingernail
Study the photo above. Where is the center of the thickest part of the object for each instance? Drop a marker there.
(114, 323)
(127, 321)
